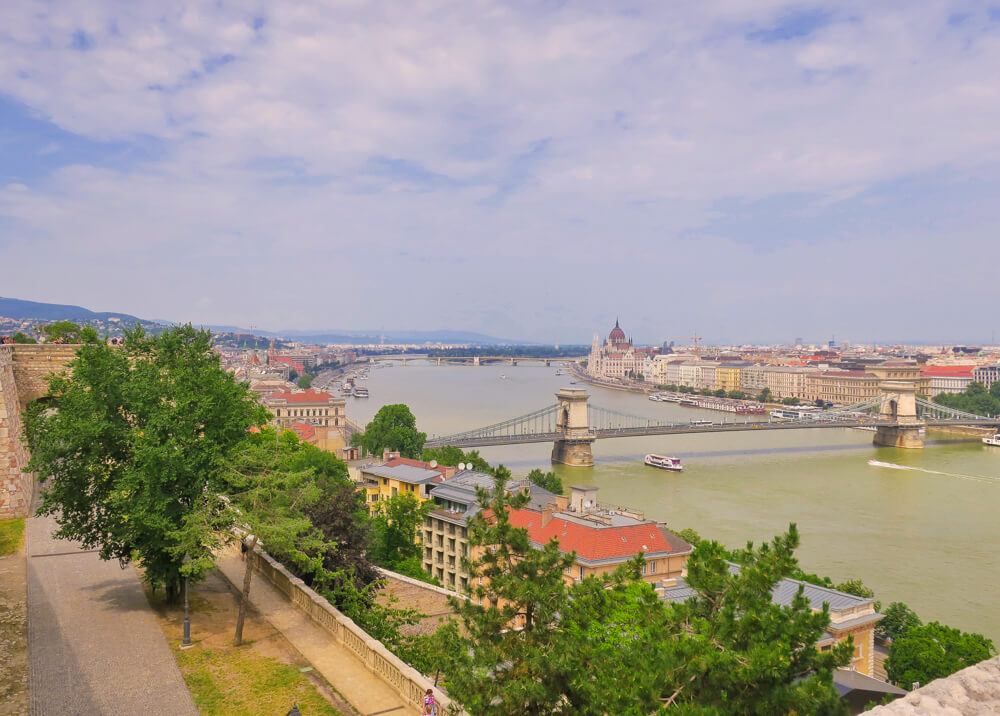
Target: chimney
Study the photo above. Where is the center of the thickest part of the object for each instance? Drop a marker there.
(547, 514)
(583, 499)
(390, 455)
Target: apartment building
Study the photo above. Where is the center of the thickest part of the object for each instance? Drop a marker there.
(948, 378)
(308, 406)
(987, 375)
(603, 538)
(844, 387)
(400, 476)
(445, 535)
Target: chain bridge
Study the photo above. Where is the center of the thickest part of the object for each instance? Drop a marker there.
(572, 424)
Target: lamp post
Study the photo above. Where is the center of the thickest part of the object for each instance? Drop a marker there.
(186, 642)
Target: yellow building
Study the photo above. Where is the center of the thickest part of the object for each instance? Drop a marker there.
(728, 377)
(844, 387)
(308, 406)
(400, 476)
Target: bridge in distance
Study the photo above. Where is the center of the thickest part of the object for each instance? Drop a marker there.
(572, 424)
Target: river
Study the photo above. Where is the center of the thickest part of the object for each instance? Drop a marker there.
(924, 532)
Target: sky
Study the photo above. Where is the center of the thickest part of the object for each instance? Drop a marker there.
(750, 170)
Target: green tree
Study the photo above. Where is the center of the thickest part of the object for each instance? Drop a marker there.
(976, 399)
(855, 587)
(933, 651)
(395, 528)
(898, 619)
(393, 428)
(720, 393)
(500, 670)
(261, 496)
(789, 401)
(736, 651)
(138, 434)
(62, 331)
(736, 395)
(765, 396)
(546, 480)
(20, 337)
(305, 381)
(453, 456)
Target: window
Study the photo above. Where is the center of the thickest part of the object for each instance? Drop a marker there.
(395, 492)
(581, 572)
(652, 567)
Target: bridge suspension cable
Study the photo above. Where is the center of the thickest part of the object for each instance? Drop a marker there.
(541, 421)
(926, 408)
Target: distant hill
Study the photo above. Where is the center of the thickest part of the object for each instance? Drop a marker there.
(368, 337)
(25, 310)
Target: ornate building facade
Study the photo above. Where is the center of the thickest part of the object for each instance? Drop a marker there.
(616, 357)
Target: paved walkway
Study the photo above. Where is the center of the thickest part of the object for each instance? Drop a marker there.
(338, 664)
(94, 646)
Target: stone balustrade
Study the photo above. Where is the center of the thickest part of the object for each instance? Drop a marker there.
(407, 681)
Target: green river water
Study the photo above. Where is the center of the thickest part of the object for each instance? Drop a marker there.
(925, 532)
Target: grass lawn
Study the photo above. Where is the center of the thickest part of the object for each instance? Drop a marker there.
(238, 681)
(260, 677)
(10, 535)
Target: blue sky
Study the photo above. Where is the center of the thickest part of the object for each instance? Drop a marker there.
(755, 171)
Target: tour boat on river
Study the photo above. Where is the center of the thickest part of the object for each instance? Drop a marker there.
(993, 440)
(664, 462)
(360, 392)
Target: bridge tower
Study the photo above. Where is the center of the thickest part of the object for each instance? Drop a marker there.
(571, 422)
(901, 407)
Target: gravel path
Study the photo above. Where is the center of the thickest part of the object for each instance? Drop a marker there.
(94, 645)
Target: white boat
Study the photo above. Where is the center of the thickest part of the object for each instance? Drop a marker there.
(360, 392)
(993, 440)
(654, 396)
(664, 462)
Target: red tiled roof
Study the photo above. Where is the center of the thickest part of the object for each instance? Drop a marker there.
(306, 396)
(284, 359)
(955, 370)
(305, 431)
(598, 542)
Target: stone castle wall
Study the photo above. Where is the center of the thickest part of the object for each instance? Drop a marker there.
(23, 369)
(15, 484)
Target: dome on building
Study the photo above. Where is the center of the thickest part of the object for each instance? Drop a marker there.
(617, 334)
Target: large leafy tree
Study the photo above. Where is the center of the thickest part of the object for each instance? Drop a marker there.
(546, 480)
(898, 619)
(395, 526)
(131, 437)
(933, 651)
(392, 428)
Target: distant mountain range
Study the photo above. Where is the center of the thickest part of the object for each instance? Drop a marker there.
(34, 310)
(27, 310)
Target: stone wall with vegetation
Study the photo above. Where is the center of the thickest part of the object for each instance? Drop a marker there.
(15, 484)
(23, 369)
(407, 681)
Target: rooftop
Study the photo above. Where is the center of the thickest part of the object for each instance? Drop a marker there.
(306, 396)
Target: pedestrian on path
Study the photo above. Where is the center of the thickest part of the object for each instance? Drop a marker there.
(430, 705)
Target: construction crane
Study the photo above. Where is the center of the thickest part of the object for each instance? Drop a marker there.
(694, 338)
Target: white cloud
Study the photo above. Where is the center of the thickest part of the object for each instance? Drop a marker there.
(396, 139)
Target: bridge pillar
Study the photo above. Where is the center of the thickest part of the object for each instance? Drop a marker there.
(475, 361)
(439, 361)
(901, 407)
(571, 422)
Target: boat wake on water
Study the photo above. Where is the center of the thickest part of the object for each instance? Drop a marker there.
(975, 478)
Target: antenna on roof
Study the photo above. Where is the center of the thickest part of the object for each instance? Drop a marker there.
(461, 466)
(434, 463)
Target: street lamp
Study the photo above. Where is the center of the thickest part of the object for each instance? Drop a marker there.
(186, 642)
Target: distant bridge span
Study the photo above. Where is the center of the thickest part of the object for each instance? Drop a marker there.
(572, 424)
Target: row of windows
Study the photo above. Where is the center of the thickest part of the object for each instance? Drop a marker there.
(299, 412)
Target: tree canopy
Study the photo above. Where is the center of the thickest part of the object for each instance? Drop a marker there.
(976, 399)
(933, 651)
(393, 428)
(898, 619)
(609, 644)
(546, 480)
(139, 432)
(453, 456)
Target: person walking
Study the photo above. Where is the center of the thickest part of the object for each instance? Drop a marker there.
(430, 705)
